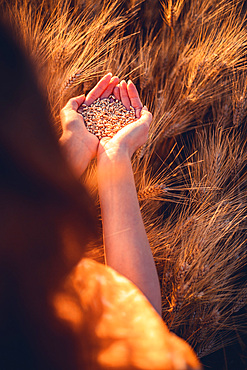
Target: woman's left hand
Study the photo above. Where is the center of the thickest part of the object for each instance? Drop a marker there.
(132, 136)
(78, 143)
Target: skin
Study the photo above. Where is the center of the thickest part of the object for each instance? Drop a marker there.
(79, 145)
(127, 249)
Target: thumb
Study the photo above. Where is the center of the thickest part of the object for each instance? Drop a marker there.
(146, 116)
(75, 103)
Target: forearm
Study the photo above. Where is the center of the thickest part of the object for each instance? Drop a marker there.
(126, 245)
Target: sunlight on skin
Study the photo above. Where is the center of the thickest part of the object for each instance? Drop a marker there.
(109, 90)
(116, 92)
(99, 89)
(134, 98)
(117, 192)
(124, 94)
(80, 145)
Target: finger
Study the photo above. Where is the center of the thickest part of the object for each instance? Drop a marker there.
(124, 94)
(70, 112)
(98, 90)
(75, 103)
(135, 100)
(146, 116)
(108, 91)
(104, 140)
(116, 92)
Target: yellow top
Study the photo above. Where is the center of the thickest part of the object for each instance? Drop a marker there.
(124, 329)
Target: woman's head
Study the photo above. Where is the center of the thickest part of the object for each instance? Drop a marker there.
(42, 207)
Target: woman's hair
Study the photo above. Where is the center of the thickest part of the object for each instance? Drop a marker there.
(43, 207)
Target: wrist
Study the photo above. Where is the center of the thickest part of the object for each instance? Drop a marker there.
(114, 167)
(112, 155)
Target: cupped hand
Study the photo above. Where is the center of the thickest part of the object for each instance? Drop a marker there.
(79, 144)
(132, 136)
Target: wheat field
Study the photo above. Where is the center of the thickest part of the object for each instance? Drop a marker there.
(188, 61)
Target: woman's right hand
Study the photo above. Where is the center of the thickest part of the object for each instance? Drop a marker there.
(132, 136)
(79, 144)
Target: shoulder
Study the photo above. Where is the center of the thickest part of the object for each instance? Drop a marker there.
(126, 330)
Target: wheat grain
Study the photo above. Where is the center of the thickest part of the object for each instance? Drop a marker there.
(105, 117)
(152, 191)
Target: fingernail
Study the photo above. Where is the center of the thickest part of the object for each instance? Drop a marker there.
(129, 82)
(145, 107)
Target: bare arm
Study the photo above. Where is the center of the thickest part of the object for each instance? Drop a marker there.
(126, 245)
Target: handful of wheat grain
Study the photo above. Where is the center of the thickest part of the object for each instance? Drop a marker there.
(105, 117)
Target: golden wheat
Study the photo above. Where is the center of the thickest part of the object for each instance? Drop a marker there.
(188, 61)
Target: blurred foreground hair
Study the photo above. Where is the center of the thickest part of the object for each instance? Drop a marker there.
(46, 219)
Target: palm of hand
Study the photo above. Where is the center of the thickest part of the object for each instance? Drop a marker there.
(132, 136)
(81, 146)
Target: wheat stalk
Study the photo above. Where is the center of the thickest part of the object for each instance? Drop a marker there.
(191, 173)
(171, 11)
